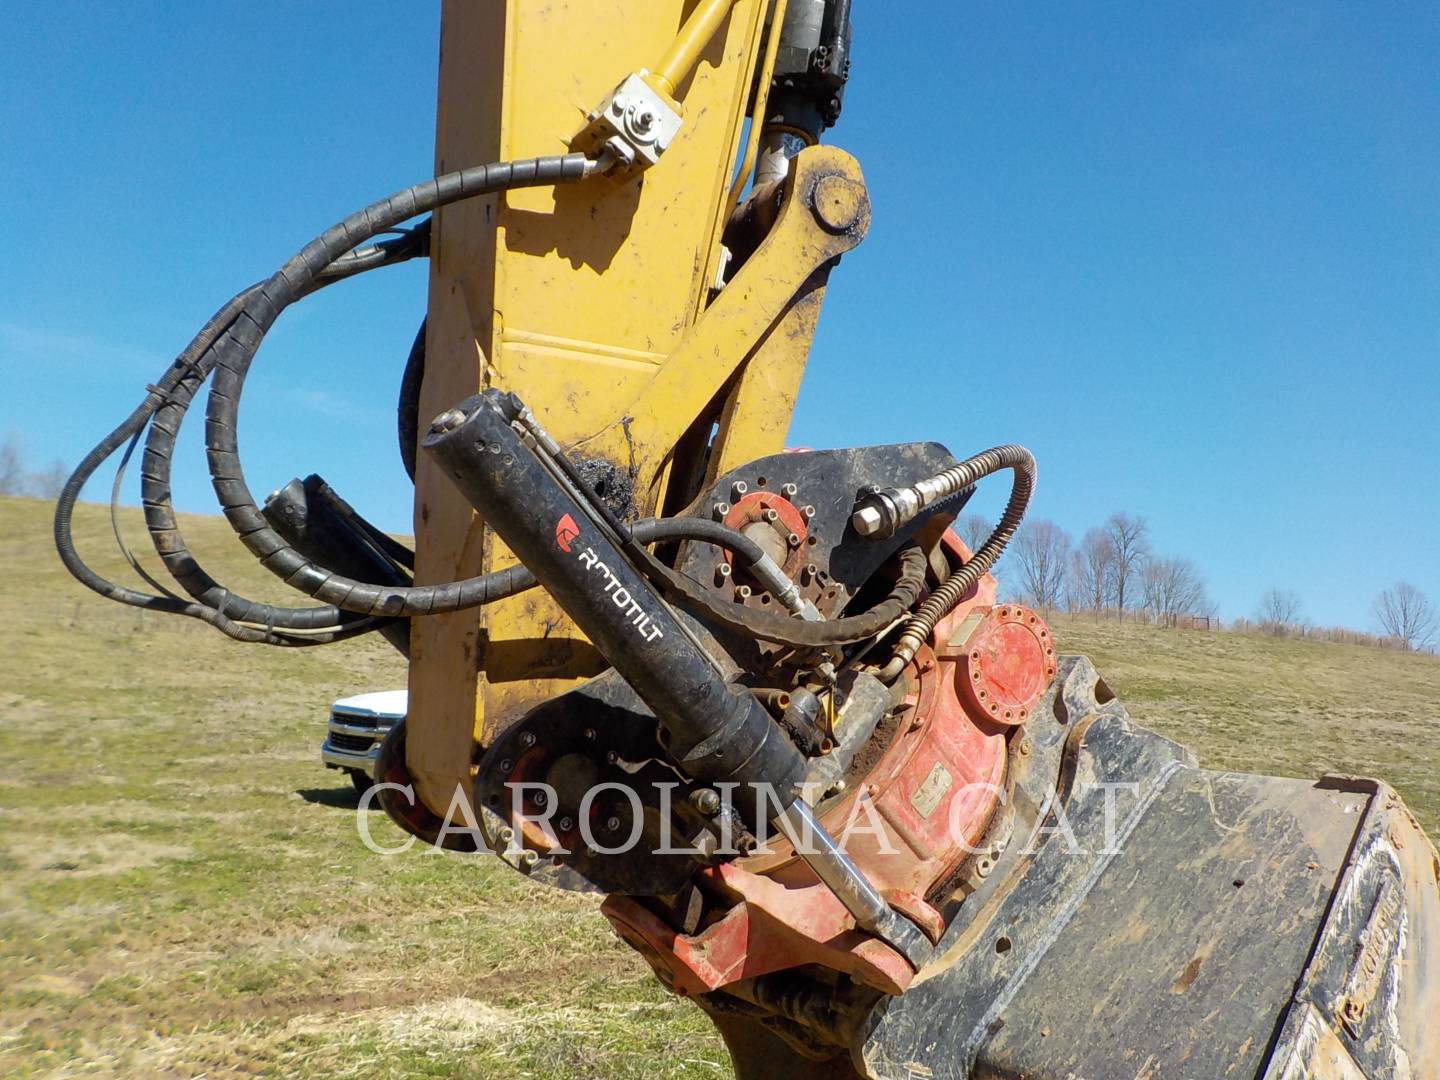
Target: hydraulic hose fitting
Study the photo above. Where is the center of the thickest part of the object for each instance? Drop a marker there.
(891, 509)
(880, 513)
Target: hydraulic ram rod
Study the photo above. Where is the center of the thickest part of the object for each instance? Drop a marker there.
(714, 731)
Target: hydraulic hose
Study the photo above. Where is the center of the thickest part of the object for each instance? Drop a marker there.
(128, 429)
(955, 587)
(800, 633)
(173, 394)
(407, 410)
(155, 490)
(235, 349)
(81, 571)
(165, 405)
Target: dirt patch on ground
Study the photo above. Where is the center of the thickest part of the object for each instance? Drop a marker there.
(103, 853)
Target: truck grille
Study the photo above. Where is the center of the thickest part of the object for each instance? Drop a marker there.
(355, 720)
(354, 743)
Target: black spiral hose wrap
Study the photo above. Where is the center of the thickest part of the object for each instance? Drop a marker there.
(954, 588)
(235, 350)
(226, 345)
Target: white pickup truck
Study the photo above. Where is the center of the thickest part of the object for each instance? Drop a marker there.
(357, 726)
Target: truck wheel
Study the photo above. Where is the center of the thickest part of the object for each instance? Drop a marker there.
(361, 780)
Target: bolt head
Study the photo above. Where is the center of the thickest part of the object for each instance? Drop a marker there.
(866, 520)
(447, 421)
(706, 801)
(788, 490)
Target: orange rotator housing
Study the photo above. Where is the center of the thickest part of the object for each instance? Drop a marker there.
(920, 825)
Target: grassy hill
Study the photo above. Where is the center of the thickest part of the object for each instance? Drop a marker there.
(182, 887)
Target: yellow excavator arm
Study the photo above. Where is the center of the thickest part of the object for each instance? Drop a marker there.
(616, 309)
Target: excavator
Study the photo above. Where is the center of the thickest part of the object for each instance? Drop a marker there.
(856, 807)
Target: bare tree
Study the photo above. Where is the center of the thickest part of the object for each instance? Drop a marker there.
(1041, 555)
(1279, 611)
(1172, 587)
(1130, 542)
(974, 530)
(1407, 614)
(1092, 571)
(12, 467)
(15, 479)
(47, 483)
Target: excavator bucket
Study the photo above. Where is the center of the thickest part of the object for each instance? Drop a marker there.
(1149, 918)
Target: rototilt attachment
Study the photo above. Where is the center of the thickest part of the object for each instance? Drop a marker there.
(1044, 889)
(714, 731)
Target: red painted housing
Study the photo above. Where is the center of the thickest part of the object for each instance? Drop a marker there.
(908, 825)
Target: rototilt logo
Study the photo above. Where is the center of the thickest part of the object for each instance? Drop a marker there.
(566, 532)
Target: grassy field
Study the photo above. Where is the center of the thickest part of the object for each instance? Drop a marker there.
(183, 891)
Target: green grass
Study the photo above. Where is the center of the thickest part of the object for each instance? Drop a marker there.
(183, 890)
(1255, 703)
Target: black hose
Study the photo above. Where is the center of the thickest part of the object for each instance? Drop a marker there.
(235, 350)
(407, 411)
(65, 546)
(181, 386)
(167, 402)
(799, 633)
(955, 587)
(155, 491)
(128, 429)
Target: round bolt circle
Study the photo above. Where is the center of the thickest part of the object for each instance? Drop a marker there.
(1008, 666)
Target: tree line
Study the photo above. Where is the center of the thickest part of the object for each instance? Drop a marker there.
(1405, 615)
(16, 478)
(1114, 570)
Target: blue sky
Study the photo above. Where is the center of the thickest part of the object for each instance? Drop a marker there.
(1189, 254)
